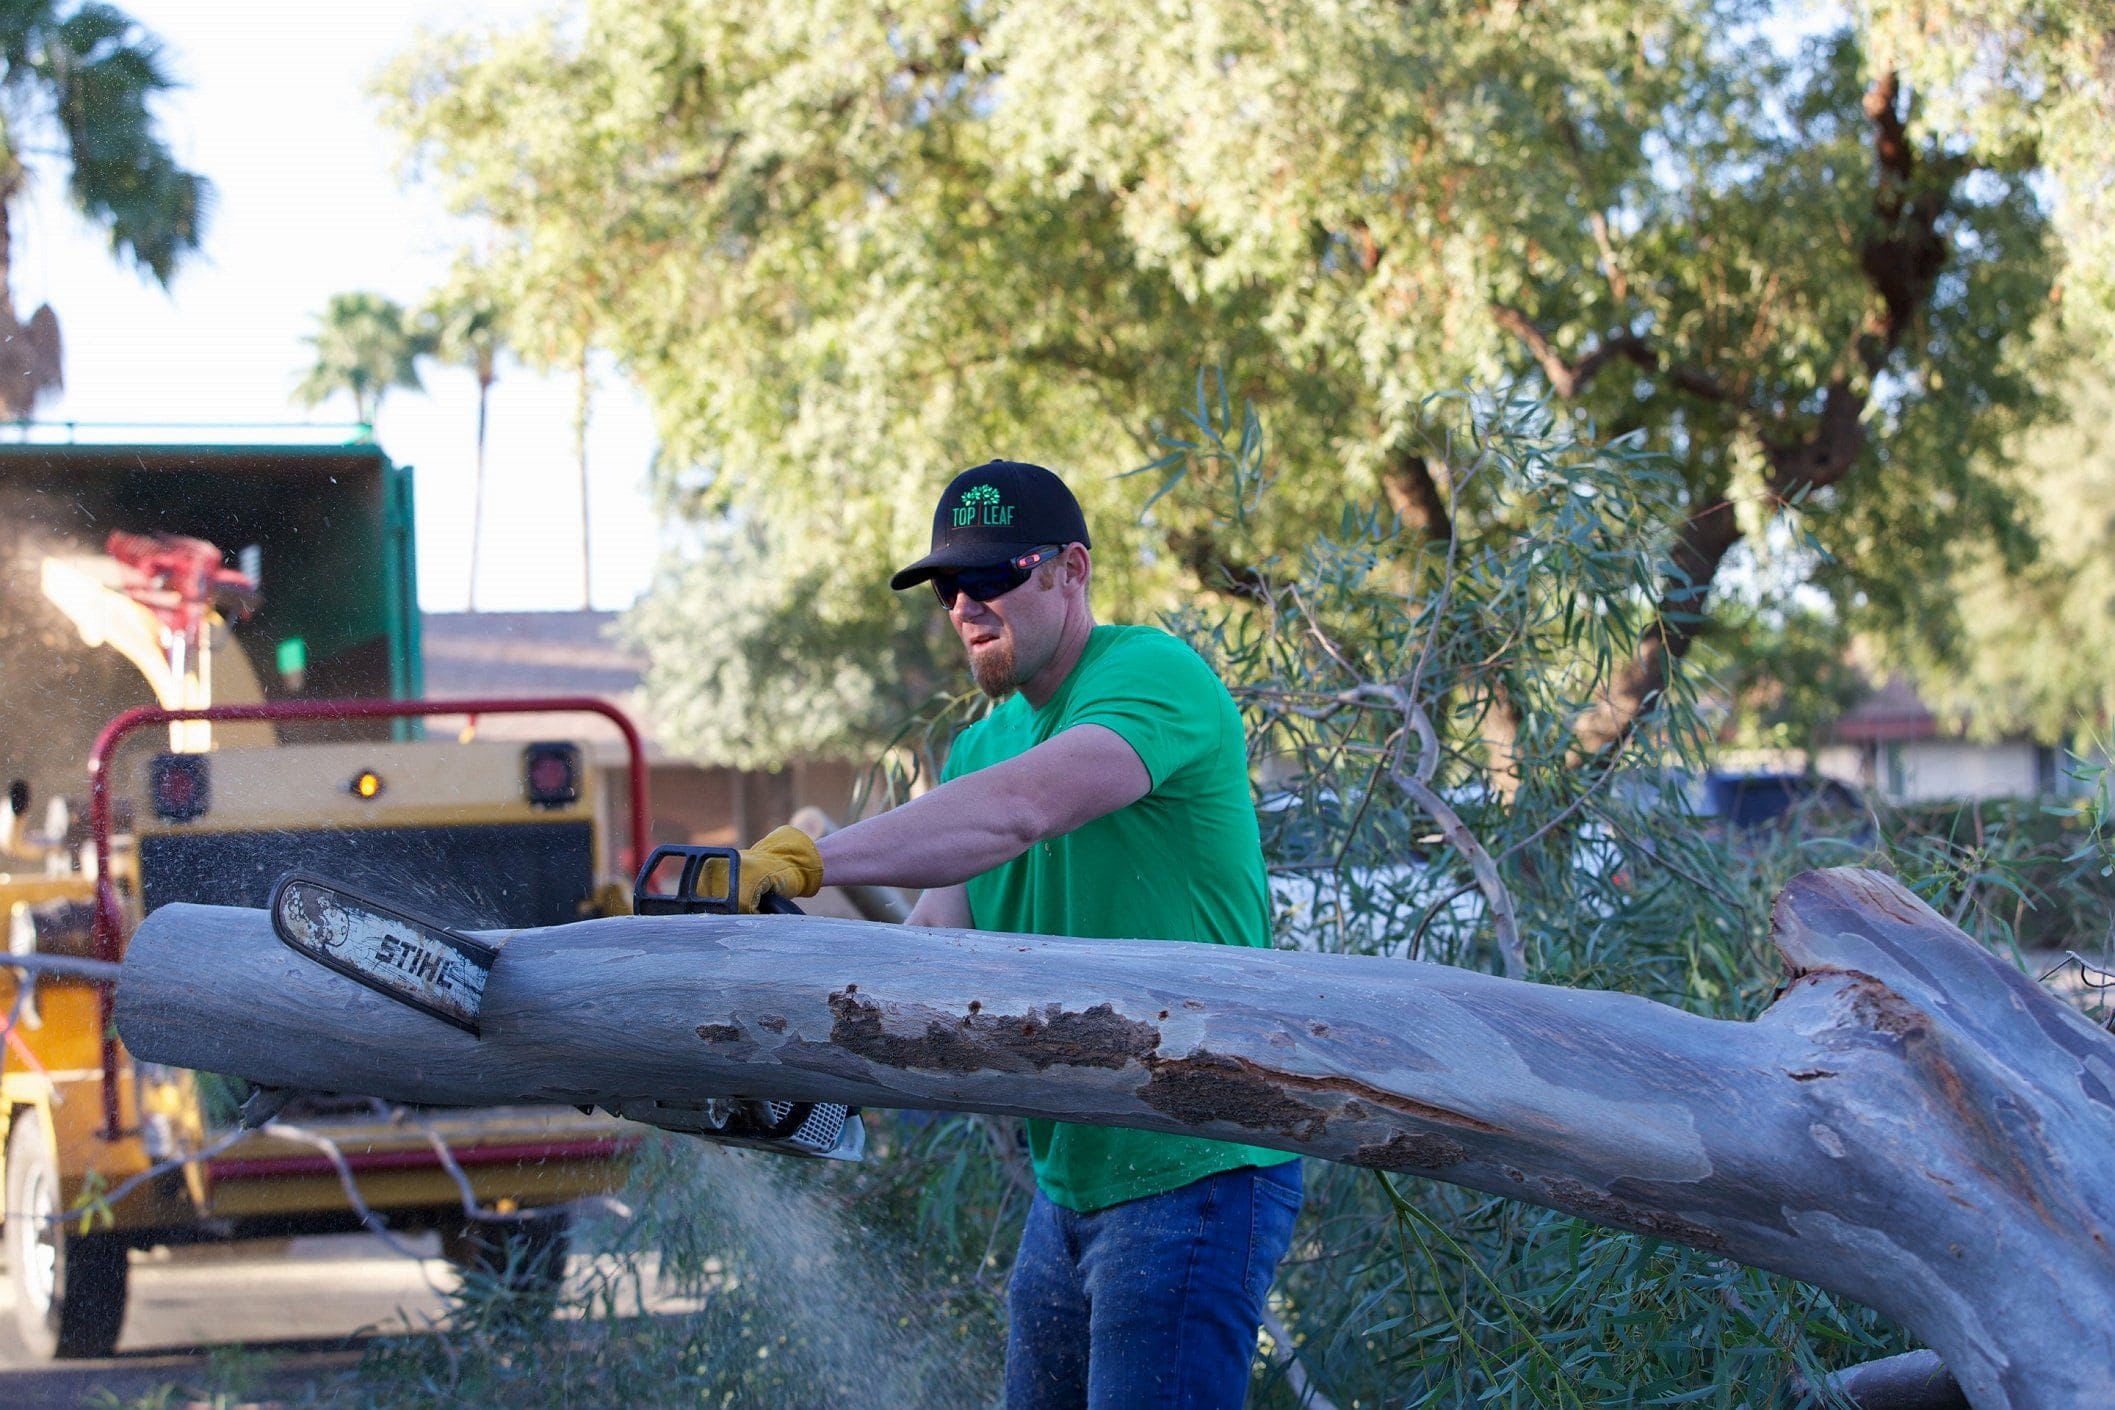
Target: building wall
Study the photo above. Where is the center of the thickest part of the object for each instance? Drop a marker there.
(1931, 770)
(1853, 763)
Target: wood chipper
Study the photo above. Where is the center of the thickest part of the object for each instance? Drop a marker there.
(115, 599)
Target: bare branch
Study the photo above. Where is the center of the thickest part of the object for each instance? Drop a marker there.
(78, 967)
(1611, 267)
(1302, 1386)
(1503, 920)
(369, 1220)
(477, 1213)
(1568, 379)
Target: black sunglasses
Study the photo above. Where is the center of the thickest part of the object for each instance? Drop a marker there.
(984, 584)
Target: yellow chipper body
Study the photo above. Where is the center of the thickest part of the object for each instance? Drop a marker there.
(180, 722)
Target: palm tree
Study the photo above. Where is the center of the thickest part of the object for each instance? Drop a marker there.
(560, 335)
(463, 326)
(583, 396)
(364, 345)
(76, 80)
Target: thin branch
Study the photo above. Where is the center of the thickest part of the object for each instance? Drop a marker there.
(74, 966)
(1503, 919)
(1611, 268)
(1600, 778)
(1305, 1393)
(1417, 936)
(597, 1204)
(1458, 835)
(152, 1172)
(370, 1220)
(373, 1222)
(1568, 379)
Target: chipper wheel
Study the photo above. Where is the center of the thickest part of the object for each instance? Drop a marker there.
(69, 1287)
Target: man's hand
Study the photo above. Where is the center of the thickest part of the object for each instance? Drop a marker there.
(785, 862)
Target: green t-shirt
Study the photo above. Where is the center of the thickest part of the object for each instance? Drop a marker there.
(1197, 826)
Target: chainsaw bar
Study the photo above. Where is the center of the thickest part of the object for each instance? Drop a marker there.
(415, 961)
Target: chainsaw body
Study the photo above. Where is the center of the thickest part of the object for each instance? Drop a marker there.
(441, 972)
(685, 880)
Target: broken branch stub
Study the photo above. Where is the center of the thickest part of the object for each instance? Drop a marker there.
(1912, 1123)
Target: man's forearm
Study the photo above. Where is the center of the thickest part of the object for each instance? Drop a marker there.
(969, 825)
(943, 838)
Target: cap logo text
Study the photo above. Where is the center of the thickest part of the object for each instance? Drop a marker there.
(980, 505)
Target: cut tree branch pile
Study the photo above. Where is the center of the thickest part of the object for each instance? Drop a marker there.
(1912, 1123)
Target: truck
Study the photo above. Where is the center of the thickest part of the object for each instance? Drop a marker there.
(210, 675)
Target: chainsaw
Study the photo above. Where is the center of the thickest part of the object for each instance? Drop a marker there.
(441, 972)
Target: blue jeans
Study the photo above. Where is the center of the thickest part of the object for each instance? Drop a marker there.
(1151, 1304)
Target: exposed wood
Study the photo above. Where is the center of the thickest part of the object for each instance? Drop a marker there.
(1913, 1123)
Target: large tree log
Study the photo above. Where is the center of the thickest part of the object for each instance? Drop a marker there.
(1912, 1123)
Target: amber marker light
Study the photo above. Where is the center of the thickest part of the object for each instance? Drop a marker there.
(365, 784)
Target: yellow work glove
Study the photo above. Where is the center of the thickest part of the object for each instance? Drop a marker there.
(785, 861)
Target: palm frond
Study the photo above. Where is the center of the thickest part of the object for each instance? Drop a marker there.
(364, 344)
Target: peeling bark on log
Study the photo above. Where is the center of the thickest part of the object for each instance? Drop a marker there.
(1913, 1123)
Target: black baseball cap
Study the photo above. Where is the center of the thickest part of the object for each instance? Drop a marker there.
(996, 511)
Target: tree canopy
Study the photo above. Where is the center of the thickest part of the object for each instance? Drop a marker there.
(848, 251)
(2025, 81)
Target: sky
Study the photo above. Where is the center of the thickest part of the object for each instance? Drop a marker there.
(310, 203)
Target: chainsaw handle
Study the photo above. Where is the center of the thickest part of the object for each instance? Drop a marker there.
(683, 896)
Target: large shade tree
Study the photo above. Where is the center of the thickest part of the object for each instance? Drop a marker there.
(77, 84)
(847, 251)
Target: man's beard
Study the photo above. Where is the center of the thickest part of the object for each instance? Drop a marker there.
(993, 670)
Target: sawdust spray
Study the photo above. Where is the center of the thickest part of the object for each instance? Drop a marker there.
(56, 691)
(853, 1316)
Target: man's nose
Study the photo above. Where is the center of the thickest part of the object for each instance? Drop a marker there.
(967, 608)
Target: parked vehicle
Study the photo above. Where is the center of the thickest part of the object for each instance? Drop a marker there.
(1751, 800)
(1419, 901)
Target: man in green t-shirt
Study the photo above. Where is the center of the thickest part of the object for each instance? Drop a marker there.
(1105, 795)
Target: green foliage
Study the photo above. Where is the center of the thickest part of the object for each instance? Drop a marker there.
(779, 1283)
(847, 252)
(1418, 1293)
(364, 344)
(88, 75)
(2025, 80)
(2032, 872)
(2023, 660)
(464, 324)
(1785, 675)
